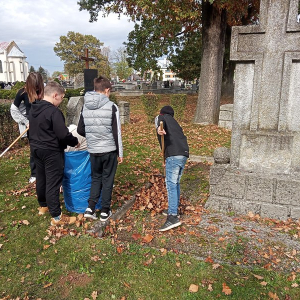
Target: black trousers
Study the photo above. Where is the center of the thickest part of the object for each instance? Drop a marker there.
(32, 166)
(49, 176)
(103, 170)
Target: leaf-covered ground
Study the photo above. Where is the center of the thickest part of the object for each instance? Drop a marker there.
(211, 256)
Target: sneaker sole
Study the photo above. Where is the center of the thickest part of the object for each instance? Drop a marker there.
(90, 217)
(170, 227)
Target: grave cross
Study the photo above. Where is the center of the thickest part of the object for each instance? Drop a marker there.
(273, 45)
(86, 58)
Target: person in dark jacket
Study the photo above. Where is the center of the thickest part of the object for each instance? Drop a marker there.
(48, 138)
(33, 90)
(100, 124)
(176, 154)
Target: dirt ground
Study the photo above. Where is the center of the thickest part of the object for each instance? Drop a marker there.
(221, 238)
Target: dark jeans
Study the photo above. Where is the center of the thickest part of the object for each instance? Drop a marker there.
(103, 170)
(49, 176)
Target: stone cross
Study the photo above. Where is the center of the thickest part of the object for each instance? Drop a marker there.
(267, 89)
(86, 58)
(263, 176)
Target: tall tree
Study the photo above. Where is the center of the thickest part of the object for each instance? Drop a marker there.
(44, 73)
(185, 61)
(31, 69)
(212, 16)
(71, 47)
(120, 65)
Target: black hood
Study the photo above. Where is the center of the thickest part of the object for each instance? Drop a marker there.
(39, 106)
(167, 110)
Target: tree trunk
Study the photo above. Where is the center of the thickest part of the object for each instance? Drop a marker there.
(210, 83)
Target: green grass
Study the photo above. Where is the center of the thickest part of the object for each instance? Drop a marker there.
(36, 266)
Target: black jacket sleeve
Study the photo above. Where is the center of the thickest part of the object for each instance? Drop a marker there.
(81, 126)
(61, 131)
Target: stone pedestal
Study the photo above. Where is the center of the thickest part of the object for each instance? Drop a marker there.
(272, 196)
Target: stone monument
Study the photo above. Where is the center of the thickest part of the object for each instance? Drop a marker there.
(264, 171)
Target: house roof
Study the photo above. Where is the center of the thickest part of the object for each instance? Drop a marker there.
(12, 49)
(4, 45)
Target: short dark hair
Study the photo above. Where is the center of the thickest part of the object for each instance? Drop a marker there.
(54, 87)
(101, 84)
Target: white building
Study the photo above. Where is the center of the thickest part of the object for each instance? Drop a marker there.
(13, 64)
(168, 74)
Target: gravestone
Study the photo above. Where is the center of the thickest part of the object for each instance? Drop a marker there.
(74, 108)
(264, 171)
(79, 81)
(124, 110)
(89, 76)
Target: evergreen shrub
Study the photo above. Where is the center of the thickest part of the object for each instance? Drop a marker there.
(178, 102)
(150, 104)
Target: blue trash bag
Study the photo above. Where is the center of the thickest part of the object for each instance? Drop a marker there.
(77, 181)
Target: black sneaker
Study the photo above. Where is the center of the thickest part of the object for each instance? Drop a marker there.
(165, 213)
(90, 214)
(171, 222)
(104, 216)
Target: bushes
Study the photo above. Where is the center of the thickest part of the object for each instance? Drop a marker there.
(150, 103)
(74, 92)
(11, 94)
(178, 102)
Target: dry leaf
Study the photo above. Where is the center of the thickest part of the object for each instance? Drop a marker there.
(258, 277)
(226, 289)
(209, 260)
(263, 283)
(72, 220)
(25, 222)
(46, 247)
(119, 250)
(210, 288)
(193, 288)
(148, 238)
(295, 285)
(136, 236)
(94, 295)
(47, 285)
(216, 266)
(273, 296)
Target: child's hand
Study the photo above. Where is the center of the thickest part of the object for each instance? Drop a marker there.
(161, 132)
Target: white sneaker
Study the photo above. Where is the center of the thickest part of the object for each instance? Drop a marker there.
(32, 179)
(89, 214)
(105, 216)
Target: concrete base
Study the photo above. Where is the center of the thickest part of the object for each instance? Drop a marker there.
(269, 195)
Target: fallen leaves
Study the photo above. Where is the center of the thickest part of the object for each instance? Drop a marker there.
(193, 288)
(226, 289)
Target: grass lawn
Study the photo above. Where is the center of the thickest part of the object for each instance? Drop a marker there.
(133, 260)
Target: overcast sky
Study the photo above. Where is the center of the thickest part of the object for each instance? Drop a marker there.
(36, 25)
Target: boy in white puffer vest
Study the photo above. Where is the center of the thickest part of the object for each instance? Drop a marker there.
(100, 124)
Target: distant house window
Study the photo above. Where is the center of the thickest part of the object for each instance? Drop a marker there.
(1, 69)
(21, 67)
(168, 76)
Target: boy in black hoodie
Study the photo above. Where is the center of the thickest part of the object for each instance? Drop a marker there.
(48, 138)
(176, 155)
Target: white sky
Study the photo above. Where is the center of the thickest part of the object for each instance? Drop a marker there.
(36, 25)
